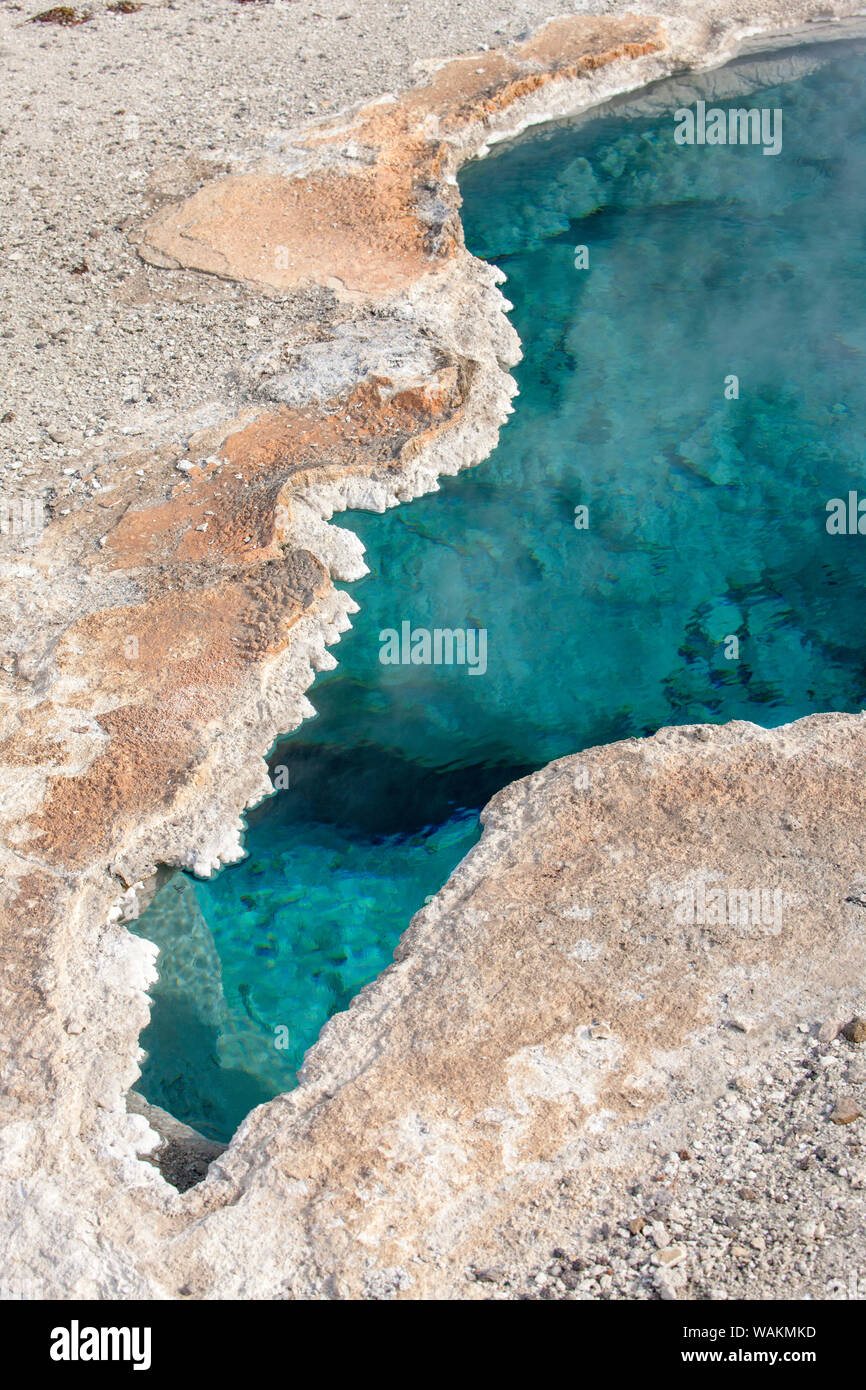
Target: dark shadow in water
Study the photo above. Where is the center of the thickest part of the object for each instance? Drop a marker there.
(194, 1087)
(372, 792)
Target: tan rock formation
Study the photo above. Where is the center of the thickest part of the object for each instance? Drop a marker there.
(364, 228)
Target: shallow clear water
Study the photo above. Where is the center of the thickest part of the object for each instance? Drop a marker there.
(706, 522)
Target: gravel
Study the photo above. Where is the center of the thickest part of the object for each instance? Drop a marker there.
(765, 1197)
(98, 347)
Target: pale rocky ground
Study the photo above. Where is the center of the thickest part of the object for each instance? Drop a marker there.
(554, 1059)
(764, 1199)
(89, 114)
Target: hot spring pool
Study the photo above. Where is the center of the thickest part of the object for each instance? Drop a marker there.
(704, 587)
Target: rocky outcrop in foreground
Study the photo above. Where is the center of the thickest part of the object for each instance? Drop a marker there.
(561, 1022)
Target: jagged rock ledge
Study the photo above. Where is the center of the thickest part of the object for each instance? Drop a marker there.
(163, 632)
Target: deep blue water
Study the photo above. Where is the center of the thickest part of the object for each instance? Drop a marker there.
(706, 523)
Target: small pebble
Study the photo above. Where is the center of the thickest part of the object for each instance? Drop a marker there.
(659, 1235)
(846, 1111)
(670, 1256)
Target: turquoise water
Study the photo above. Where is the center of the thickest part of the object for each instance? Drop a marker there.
(706, 524)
